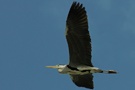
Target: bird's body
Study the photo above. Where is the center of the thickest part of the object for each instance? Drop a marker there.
(66, 69)
(82, 70)
(80, 67)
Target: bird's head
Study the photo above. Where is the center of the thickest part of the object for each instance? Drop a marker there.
(59, 66)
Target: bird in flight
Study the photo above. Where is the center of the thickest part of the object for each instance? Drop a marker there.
(80, 67)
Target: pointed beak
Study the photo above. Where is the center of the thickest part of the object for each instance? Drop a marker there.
(51, 67)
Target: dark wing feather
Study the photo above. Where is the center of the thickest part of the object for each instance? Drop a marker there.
(83, 80)
(78, 37)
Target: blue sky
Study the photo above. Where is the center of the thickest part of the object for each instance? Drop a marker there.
(32, 36)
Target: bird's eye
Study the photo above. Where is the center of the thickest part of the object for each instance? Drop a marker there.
(57, 65)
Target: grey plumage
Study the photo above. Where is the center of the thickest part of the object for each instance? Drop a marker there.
(79, 43)
(80, 67)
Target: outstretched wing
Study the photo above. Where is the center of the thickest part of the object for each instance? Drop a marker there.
(83, 80)
(78, 37)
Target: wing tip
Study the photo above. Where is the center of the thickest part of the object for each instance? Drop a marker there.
(76, 4)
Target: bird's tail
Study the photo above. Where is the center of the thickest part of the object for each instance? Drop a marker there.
(109, 72)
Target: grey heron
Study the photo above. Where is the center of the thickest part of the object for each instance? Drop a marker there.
(80, 67)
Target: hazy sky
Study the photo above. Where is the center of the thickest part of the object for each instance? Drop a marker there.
(32, 35)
